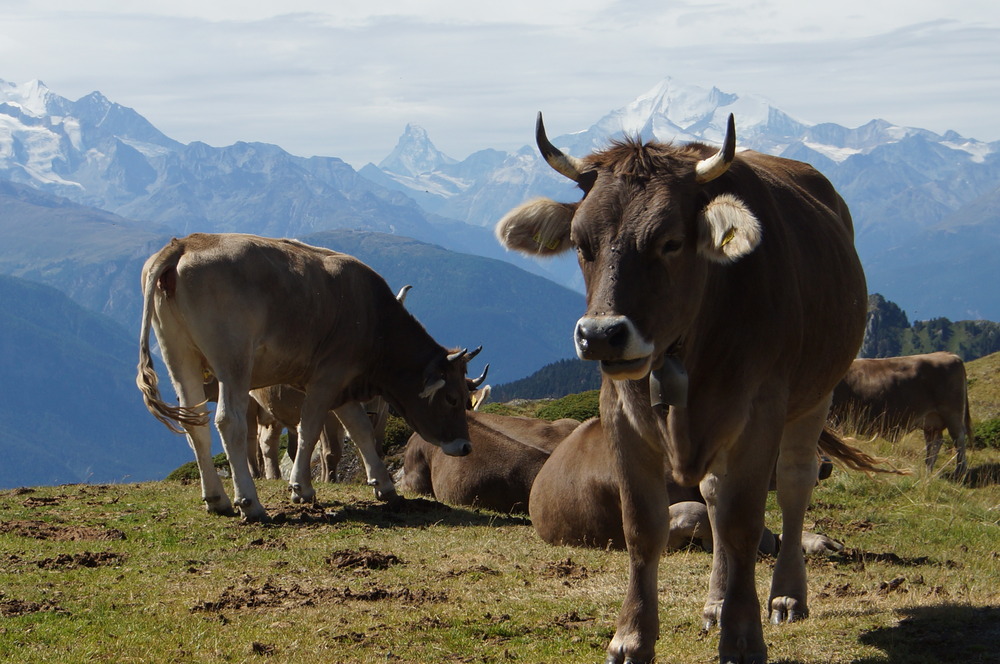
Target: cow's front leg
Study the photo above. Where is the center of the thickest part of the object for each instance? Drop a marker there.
(645, 517)
(313, 417)
(359, 428)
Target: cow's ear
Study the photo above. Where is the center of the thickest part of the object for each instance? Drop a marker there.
(727, 229)
(540, 226)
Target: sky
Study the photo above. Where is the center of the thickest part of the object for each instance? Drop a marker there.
(342, 78)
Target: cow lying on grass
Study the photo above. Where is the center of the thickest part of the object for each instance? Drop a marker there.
(561, 474)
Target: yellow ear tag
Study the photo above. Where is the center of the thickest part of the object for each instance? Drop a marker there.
(206, 375)
(730, 234)
(550, 245)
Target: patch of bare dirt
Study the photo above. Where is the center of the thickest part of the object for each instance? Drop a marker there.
(363, 558)
(861, 558)
(269, 596)
(565, 569)
(85, 559)
(481, 570)
(61, 533)
(10, 608)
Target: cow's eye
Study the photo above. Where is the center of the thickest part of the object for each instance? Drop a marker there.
(583, 251)
(670, 247)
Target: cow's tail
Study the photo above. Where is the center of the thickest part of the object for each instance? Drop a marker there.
(174, 417)
(832, 444)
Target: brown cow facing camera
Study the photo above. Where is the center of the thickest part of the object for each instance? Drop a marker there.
(725, 300)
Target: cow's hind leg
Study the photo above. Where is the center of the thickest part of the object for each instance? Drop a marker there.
(231, 420)
(736, 495)
(933, 438)
(796, 472)
(188, 380)
(359, 428)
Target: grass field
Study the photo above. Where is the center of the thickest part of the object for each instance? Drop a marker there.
(140, 573)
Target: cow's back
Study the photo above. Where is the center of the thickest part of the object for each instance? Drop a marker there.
(282, 297)
(889, 396)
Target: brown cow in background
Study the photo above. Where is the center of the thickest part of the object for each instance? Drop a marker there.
(891, 396)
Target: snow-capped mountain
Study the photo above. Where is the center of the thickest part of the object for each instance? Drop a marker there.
(99, 153)
(905, 185)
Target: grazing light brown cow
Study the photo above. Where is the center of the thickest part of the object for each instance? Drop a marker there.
(507, 453)
(891, 396)
(256, 311)
(725, 300)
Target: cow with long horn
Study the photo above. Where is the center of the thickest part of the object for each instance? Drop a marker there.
(725, 300)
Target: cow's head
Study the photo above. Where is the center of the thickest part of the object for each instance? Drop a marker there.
(652, 219)
(437, 410)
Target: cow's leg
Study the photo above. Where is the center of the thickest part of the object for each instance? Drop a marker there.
(933, 438)
(189, 383)
(270, 444)
(359, 428)
(958, 432)
(314, 409)
(797, 469)
(639, 469)
(231, 420)
(254, 456)
(331, 445)
(736, 493)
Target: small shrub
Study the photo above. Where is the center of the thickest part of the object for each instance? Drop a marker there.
(397, 432)
(189, 471)
(987, 434)
(580, 406)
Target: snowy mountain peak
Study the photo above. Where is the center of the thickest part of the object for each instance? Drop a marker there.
(414, 154)
(31, 97)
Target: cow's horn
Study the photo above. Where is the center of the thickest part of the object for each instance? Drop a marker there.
(474, 353)
(476, 382)
(457, 354)
(707, 170)
(569, 166)
(401, 295)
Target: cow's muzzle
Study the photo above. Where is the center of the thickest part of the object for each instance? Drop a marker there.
(457, 448)
(615, 342)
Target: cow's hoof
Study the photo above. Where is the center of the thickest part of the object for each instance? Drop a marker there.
(617, 658)
(219, 505)
(751, 658)
(711, 616)
(302, 494)
(391, 497)
(787, 609)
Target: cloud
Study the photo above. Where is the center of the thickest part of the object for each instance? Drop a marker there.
(345, 83)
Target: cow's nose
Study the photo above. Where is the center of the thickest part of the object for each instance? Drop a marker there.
(602, 337)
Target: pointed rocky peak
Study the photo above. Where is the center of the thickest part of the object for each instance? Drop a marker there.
(414, 154)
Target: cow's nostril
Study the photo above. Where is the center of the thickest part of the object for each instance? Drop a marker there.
(617, 335)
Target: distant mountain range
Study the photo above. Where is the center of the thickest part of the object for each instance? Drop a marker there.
(926, 207)
(89, 189)
(69, 411)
